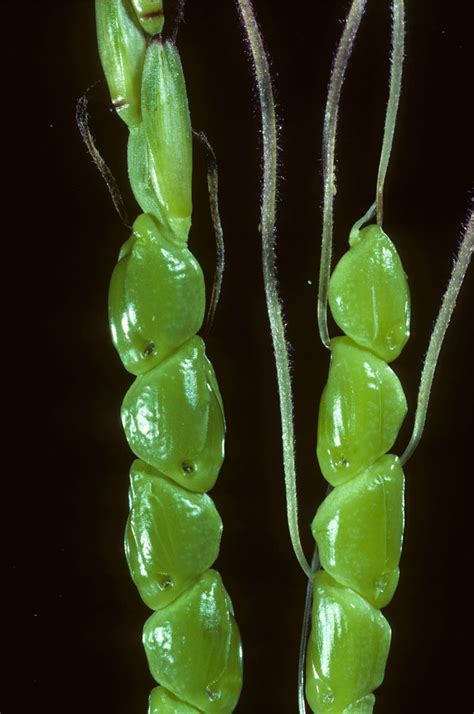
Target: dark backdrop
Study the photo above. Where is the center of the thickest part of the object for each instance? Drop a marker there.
(73, 614)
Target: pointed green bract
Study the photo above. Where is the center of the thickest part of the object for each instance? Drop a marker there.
(168, 130)
(164, 702)
(368, 294)
(156, 298)
(193, 647)
(359, 531)
(172, 536)
(142, 175)
(347, 648)
(150, 15)
(173, 418)
(122, 47)
(362, 408)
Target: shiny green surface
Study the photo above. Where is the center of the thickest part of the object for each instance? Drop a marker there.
(368, 294)
(150, 15)
(347, 648)
(164, 702)
(359, 531)
(156, 297)
(168, 128)
(362, 408)
(193, 647)
(172, 535)
(122, 52)
(361, 706)
(173, 418)
(143, 178)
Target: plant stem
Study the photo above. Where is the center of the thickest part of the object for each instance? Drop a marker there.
(448, 304)
(329, 143)
(274, 308)
(396, 68)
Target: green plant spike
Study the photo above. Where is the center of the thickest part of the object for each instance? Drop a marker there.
(172, 414)
(358, 528)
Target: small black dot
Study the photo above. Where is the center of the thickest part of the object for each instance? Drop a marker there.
(149, 349)
(188, 468)
(165, 582)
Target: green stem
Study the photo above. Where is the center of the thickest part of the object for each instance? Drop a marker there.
(329, 143)
(448, 304)
(396, 68)
(274, 308)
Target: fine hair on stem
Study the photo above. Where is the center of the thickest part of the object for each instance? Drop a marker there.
(274, 308)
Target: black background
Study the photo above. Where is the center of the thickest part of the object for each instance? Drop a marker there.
(72, 612)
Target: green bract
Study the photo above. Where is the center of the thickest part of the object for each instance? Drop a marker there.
(156, 298)
(164, 702)
(173, 418)
(368, 294)
(168, 129)
(193, 647)
(143, 178)
(122, 47)
(362, 408)
(347, 648)
(150, 15)
(172, 535)
(359, 530)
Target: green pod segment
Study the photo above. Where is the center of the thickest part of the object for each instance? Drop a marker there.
(347, 649)
(359, 531)
(167, 125)
(172, 536)
(156, 298)
(164, 702)
(365, 705)
(173, 418)
(369, 296)
(193, 647)
(361, 411)
(122, 48)
(150, 15)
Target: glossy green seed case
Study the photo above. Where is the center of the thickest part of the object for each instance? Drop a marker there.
(156, 298)
(368, 294)
(360, 414)
(359, 526)
(173, 413)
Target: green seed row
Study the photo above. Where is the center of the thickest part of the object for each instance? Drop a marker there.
(359, 526)
(172, 414)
